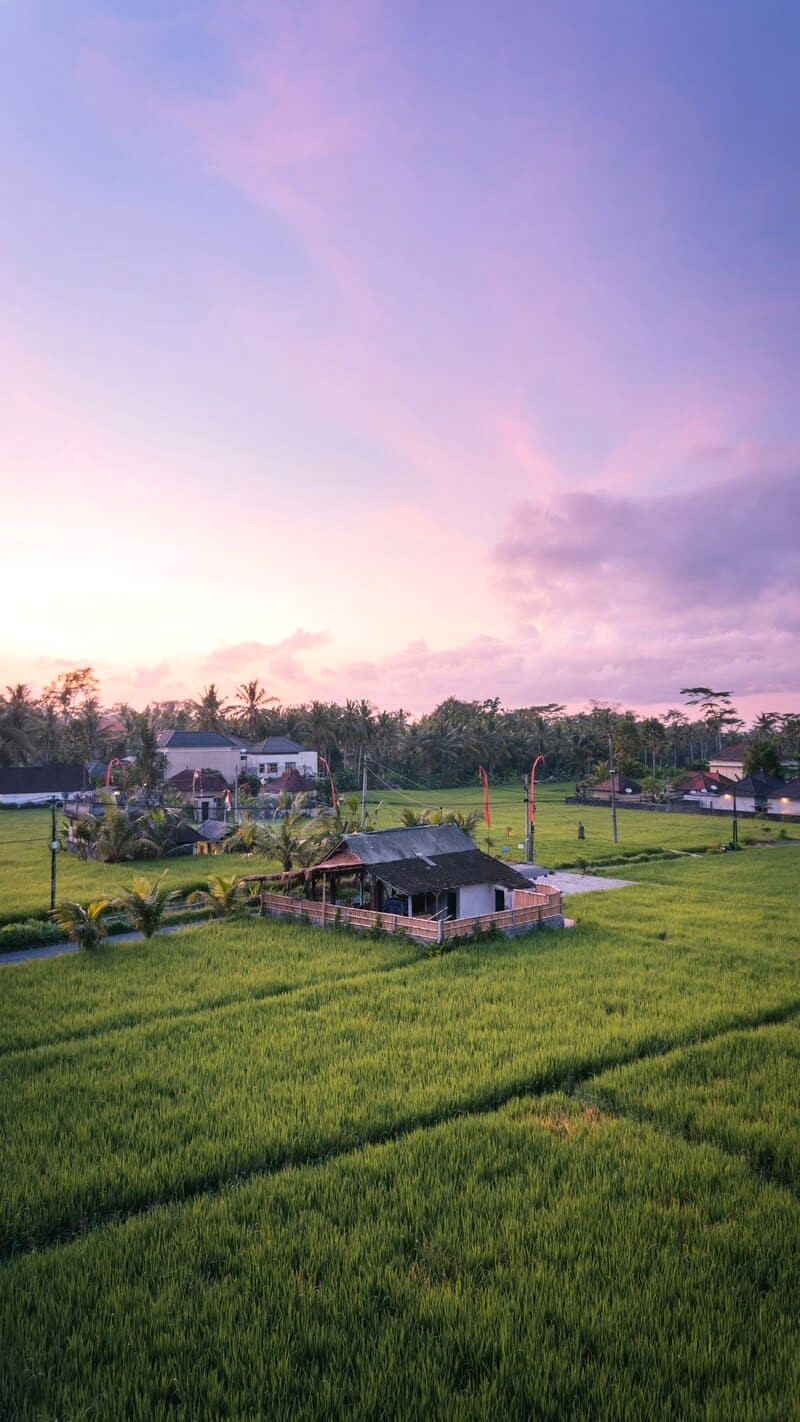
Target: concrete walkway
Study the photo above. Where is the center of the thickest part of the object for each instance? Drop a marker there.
(582, 883)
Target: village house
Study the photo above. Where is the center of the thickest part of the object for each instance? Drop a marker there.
(729, 761)
(231, 756)
(761, 793)
(624, 788)
(278, 756)
(429, 881)
(205, 790)
(700, 787)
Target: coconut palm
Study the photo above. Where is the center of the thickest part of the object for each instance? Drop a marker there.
(85, 829)
(252, 700)
(246, 838)
(209, 712)
(466, 821)
(148, 769)
(83, 926)
(146, 903)
(287, 841)
(223, 895)
(120, 838)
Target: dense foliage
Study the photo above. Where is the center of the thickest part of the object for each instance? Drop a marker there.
(444, 747)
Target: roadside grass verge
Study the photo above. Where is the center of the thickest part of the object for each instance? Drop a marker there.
(539, 1262)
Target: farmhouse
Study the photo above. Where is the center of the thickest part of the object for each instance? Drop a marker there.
(39, 784)
(429, 881)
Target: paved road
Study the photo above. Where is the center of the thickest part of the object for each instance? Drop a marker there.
(55, 950)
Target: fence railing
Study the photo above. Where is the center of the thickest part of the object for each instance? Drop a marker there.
(537, 906)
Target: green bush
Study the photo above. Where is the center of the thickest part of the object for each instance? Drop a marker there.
(29, 933)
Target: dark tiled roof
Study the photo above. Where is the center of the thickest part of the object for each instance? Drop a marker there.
(290, 783)
(195, 740)
(623, 785)
(277, 745)
(731, 753)
(209, 782)
(54, 779)
(701, 782)
(759, 785)
(414, 842)
(447, 871)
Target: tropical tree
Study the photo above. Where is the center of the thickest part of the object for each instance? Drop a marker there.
(120, 838)
(85, 829)
(287, 841)
(223, 895)
(83, 926)
(146, 903)
(18, 726)
(466, 821)
(148, 768)
(209, 712)
(250, 712)
(246, 839)
(762, 757)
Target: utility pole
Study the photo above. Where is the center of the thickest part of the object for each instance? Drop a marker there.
(364, 795)
(528, 825)
(611, 774)
(54, 848)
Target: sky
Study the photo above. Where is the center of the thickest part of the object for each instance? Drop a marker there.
(401, 350)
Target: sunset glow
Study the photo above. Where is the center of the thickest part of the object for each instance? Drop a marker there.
(401, 351)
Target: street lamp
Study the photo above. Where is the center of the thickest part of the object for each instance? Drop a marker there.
(731, 794)
(55, 845)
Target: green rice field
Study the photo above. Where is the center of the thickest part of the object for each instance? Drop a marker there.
(257, 1170)
(25, 835)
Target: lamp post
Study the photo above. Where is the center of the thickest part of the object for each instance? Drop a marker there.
(731, 795)
(194, 798)
(54, 848)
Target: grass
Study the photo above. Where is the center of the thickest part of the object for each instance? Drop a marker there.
(255, 1169)
(25, 835)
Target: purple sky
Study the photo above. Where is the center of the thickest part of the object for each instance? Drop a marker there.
(402, 350)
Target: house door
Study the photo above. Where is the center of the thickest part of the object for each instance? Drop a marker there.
(204, 810)
(452, 903)
(499, 900)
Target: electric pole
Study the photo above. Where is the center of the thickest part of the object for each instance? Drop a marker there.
(611, 773)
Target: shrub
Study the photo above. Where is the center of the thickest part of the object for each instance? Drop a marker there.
(29, 933)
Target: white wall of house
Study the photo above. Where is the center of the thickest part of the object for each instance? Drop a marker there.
(474, 899)
(273, 765)
(732, 769)
(225, 759)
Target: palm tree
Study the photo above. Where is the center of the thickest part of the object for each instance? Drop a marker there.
(246, 838)
(465, 821)
(83, 926)
(146, 903)
(223, 895)
(252, 699)
(17, 726)
(120, 838)
(85, 830)
(287, 841)
(209, 711)
(149, 765)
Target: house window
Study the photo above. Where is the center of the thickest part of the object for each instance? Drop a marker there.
(272, 767)
(261, 767)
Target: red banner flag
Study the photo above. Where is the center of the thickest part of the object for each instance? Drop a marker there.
(334, 800)
(538, 761)
(485, 783)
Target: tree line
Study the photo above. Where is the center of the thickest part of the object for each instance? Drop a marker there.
(69, 722)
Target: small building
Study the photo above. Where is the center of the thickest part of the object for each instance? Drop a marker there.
(729, 761)
(624, 788)
(279, 755)
(204, 790)
(700, 787)
(40, 784)
(758, 793)
(290, 783)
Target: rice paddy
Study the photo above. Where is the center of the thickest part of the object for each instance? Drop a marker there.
(257, 1170)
